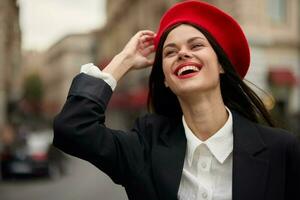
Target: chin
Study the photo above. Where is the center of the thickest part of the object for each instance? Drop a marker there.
(195, 89)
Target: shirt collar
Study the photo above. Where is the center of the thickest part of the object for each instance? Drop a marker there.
(220, 144)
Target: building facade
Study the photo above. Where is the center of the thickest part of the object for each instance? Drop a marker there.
(273, 30)
(10, 54)
(62, 62)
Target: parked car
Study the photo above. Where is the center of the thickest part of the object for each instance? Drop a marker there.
(32, 156)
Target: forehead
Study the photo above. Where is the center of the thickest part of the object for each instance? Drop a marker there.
(183, 33)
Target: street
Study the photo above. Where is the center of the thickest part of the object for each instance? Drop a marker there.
(82, 182)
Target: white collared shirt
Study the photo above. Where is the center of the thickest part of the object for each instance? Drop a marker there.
(207, 171)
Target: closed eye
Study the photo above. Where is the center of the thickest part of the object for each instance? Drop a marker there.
(169, 53)
(196, 46)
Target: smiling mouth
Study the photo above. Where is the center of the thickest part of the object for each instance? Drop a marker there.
(187, 70)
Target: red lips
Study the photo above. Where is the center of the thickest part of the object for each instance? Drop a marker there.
(179, 67)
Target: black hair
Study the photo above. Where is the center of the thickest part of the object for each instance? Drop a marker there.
(236, 94)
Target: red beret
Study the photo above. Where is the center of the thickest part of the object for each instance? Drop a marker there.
(224, 29)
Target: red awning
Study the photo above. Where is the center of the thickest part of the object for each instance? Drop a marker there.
(136, 99)
(282, 77)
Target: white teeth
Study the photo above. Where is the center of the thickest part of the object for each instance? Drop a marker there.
(196, 69)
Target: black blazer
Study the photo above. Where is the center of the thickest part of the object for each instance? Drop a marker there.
(148, 160)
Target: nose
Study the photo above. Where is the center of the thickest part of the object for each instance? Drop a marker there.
(184, 54)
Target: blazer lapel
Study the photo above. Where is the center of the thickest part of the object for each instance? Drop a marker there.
(167, 161)
(250, 162)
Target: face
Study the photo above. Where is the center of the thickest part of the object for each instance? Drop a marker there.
(190, 64)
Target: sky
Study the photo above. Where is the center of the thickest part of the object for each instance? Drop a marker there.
(43, 22)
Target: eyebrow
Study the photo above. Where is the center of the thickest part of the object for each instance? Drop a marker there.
(188, 41)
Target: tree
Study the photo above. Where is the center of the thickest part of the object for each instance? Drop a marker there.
(31, 106)
(33, 88)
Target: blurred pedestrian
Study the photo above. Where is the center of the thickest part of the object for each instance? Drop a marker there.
(8, 136)
(207, 136)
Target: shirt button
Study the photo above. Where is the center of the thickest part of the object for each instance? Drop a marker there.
(204, 195)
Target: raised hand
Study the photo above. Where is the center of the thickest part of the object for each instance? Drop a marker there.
(135, 55)
(139, 48)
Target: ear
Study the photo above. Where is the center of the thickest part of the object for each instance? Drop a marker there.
(221, 70)
(166, 84)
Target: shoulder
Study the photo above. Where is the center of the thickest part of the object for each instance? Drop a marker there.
(273, 138)
(281, 144)
(273, 135)
(284, 149)
(270, 135)
(281, 141)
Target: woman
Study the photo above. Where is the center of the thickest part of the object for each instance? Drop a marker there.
(203, 139)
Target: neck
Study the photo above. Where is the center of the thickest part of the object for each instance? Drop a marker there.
(204, 115)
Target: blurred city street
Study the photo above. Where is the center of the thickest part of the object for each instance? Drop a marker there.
(43, 44)
(83, 181)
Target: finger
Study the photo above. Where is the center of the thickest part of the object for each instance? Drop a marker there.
(148, 50)
(147, 63)
(147, 39)
(150, 61)
(144, 45)
(145, 33)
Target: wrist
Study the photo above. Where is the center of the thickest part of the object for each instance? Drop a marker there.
(125, 59)
(119, 66)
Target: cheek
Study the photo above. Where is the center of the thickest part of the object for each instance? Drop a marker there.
(166, 67)
(213, 62)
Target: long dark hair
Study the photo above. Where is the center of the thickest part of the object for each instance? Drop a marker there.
(235, 93)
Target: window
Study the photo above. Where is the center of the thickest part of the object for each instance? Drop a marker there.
(277, 10)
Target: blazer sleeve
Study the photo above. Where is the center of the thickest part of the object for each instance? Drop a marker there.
(79, 130)
(293, 169)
